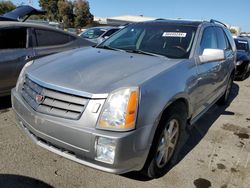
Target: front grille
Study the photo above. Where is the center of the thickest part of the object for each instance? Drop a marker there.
(53, 102)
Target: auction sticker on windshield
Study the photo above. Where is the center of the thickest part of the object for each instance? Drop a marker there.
(174, 34)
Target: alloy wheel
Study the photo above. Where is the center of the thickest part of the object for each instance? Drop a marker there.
(167, 143)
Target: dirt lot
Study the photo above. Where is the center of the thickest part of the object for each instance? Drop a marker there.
(217, 154)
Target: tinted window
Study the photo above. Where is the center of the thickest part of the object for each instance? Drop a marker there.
(110, 32)
(241, 44)
(50, 38)
(209, 39)
(13, 38)
(170, 40)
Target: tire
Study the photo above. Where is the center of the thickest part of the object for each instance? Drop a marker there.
(244, 74)
(225, 98)
(168, 140)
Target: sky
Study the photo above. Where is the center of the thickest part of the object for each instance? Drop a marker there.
(233, 12)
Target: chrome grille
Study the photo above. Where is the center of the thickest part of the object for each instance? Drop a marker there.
(54, 103)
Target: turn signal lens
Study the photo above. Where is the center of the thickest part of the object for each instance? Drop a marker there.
(131, 110)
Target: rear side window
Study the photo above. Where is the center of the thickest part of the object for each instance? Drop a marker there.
(230, 38)
(222, 43)
(52, 38)
(13, 38)
(209, 39)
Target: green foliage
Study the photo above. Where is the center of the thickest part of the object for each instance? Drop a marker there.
(83, 15)
(6, 6)
(68, 12)
(51, 8)
(233, 31)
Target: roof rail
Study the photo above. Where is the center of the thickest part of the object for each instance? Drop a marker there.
(216, 21)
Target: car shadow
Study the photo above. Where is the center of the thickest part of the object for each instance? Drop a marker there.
(10, 180)
(195, 134)
(5, 103)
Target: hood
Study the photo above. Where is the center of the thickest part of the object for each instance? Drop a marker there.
(21, 12)
(95, 71)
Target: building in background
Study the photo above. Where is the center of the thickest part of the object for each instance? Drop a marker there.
(121, 20)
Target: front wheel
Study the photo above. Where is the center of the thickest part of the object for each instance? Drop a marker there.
(168, 139)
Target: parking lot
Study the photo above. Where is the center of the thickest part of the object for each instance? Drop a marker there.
(216, 154)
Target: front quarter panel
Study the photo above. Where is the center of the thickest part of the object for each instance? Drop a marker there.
(159, 92)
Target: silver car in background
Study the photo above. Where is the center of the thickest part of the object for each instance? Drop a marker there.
(98, 34)
(125, 104)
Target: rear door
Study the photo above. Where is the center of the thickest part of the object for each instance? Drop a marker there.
(224, 44)
(14, 52)
(50, 41)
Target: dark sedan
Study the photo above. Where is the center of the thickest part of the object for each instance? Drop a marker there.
(243, 57)
(22, 42)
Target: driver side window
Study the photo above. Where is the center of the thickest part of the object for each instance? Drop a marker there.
(208, 40)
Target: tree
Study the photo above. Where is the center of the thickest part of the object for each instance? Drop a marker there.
(66, 15)
(6, 6)
(50, 6)
(71, 14)
(233, 31)
(82, 13)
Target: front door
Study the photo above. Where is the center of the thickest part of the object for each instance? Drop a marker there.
(209, 73)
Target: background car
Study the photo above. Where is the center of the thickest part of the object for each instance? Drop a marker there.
(21, 42)
(21, 12)
(243, 57)
(98, 34)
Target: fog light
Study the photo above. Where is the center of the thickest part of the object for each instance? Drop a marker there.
(105, 150)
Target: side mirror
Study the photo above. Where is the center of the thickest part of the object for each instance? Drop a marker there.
(210, 54)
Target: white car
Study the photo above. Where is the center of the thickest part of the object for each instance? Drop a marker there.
(98, 34)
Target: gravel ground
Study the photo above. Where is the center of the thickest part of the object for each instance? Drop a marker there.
(217, 154)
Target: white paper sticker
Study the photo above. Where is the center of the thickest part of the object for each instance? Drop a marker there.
(174, 34)
(240, 41)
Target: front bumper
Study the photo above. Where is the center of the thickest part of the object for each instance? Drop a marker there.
(76, 139)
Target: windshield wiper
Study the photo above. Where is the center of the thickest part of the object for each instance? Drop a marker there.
(145, 53)
(110, 48)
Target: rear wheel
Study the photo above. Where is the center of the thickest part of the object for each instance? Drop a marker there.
(168, 139)
(244, 74)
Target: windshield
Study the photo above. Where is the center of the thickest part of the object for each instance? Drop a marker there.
(92, 33)
(241, 45)
(169, 40)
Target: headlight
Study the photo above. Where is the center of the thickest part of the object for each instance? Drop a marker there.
(120, 110)
(239, 62)
(21, 75)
